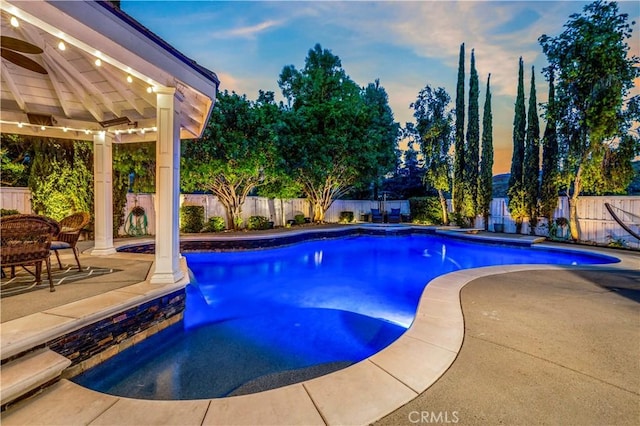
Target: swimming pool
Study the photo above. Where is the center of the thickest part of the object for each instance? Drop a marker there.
(263, 318)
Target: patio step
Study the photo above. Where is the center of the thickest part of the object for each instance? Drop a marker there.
(29, 372)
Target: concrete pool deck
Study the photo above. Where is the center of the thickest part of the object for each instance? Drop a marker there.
(400, 374)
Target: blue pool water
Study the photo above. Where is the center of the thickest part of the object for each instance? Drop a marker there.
(252, 315)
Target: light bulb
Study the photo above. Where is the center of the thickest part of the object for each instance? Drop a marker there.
(14, 22)
(61, 45)
(129, 79)
(98, 62)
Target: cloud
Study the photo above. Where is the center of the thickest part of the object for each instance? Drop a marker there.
(246, 32)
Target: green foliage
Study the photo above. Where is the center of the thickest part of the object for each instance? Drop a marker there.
(550, 174)
(518, 208)
(426, 210)
(8, 212)
(191, 219)
(594, 75)
(472, 148)
(346, 217)
(299, 219)
(214, 224)
(516, 191)
(458, 165)
(408, 179)
(382, 134)
(10, 172)
(236, 153)
(485, 180)
(616, 242)
(531, 170)
(61, 178)
(258, 223)
(15, 159)
(433, 132)
(334, 134)
(128, 158)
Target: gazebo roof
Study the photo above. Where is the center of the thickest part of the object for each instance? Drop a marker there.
(103, 80)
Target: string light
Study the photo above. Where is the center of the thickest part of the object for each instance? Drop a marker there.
(129, 79)
(61, 45)
(14, 22)
(21, 125)
(149, 89)
(98, 62)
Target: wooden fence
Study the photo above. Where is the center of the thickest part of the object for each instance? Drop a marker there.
(596, 224)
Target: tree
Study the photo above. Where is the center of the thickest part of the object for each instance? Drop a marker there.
(433, 131)
(61, 178)
(327, 129)
(595, 73)
(549, 186)
(485, 180)
(15, 154)
(472, 148)
(382, 136)
(233, 156)
(517, 207)
(531, 170)
(458, 165)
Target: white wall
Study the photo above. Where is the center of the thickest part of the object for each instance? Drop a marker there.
(595, 222)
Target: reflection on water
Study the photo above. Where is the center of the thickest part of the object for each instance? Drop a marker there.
(256, 313)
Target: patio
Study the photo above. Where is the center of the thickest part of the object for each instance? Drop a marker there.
(510, 368)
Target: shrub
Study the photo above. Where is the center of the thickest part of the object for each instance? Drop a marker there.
(299, 219)
(215, 224)
(8, 212)
(191, 218)
(258, 222)
(346, 217)
(426, 210)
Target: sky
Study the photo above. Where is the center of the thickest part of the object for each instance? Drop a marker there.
(405, 44)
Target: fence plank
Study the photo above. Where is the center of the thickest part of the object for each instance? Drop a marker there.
(595, 222)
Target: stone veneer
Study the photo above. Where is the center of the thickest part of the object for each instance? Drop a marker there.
(101, 340)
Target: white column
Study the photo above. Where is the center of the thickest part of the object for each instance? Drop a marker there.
(102, 193)
(167, 266)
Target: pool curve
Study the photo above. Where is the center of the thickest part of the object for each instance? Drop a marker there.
(360, 394)
(200, 384)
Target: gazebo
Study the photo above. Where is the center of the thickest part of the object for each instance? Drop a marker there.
(85, 70)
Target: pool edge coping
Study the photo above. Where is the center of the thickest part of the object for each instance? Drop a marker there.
(367, 382)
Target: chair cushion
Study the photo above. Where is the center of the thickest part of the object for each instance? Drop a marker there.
(59, 245)
(395, 211)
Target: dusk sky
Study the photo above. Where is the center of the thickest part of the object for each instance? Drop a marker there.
(406, 44)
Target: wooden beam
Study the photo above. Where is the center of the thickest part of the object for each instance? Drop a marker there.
(13, 88)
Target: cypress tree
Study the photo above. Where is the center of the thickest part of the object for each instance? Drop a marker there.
(531, 171)
(485, 181)
(517, 209)
(458, 164)
(550, 183)
(471, 150)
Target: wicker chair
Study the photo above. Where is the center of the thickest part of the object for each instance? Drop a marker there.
(70, 228)
(26, 240)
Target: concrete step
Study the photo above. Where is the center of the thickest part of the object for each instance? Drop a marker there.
(29, 372)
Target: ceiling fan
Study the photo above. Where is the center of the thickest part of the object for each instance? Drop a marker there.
(10, 48)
